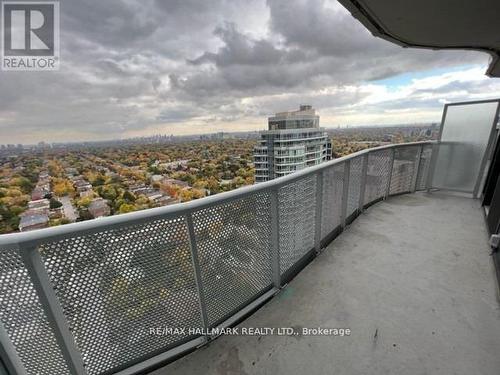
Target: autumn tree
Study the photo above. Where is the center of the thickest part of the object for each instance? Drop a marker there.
(62, 187)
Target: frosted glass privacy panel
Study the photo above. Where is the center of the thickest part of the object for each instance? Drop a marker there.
(465, 136)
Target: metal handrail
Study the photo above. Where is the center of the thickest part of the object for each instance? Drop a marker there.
(48, 234)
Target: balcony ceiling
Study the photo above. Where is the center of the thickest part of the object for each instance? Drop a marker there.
(434, 24)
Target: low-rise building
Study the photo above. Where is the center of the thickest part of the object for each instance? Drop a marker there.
(82, 185)
(32, 220)
(38, 193)
(39, 205)
(86, 193)
(173, 181)
(175, 165)
(42, 187)
(167, 200)
(154, 196)
(160, 199)
(56, 213)
(139, 189)
(113, 175)
(156, 178)
(71, 171)
(99, 208)
(44, 176)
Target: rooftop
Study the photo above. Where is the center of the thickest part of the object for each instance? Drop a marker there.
(32, 219)
(304, 109)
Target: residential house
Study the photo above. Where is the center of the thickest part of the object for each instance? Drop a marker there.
(174, 182)
(99, 208)
(39, 205)
(33, 220)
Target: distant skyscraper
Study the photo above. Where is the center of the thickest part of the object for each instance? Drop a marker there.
(293, 142)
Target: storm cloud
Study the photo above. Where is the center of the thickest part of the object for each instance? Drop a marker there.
(140, 67)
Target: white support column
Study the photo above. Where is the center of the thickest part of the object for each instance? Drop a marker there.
(319, 213)
(275, 238)
(362, 188)
(432, 167)
(417, 169)
(53, 310)
(345, 192)
(9, 356)
(389, 179)
(197, 271)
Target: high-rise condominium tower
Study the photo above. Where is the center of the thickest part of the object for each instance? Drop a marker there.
(293, 142)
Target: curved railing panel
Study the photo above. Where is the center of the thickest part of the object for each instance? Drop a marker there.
(297, 208)
(233, 242)
(115, 284)
(424, 166)
(404, 170)
(98, 297)
(24, 320)
(331, 207)
(378, 175)
(355, 182)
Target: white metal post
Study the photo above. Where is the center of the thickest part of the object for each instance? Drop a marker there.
(432, 167)
(435, 152)
(52, 308)
(9, 356)
(197, 271)
(364, 170)
(345, 192)
(416, 170)
(389, 179)
(275, 238)
(319, 213)
(490, 148)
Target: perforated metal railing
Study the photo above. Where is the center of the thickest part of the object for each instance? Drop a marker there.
(120, 294)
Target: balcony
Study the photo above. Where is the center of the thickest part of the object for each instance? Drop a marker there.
(412, 279)
(90, 295)
(308, 139)
(409, 274)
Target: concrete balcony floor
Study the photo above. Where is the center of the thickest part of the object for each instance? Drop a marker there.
(413, 280)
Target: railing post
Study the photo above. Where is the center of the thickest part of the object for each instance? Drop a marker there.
(275, 238)
(345, 192)
(416, 169)
(362, 188)
(432, 167)
(52, 308)
(389, 179)
(8, 355)
(197, 272)
(319, 212)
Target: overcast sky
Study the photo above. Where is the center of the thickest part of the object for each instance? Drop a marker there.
(142, 67)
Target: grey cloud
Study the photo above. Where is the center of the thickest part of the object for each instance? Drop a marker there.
(127, 65)
(114, 23)
(320, 46)
(179, 112)
(240, 49)
(311, 24)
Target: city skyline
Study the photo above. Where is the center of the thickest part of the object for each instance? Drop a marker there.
(143, 68)
(249, 134)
